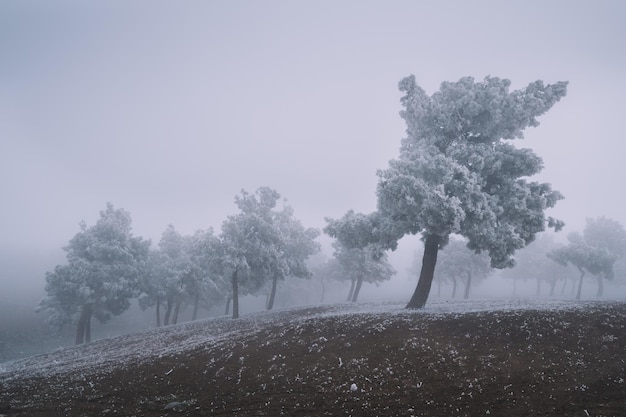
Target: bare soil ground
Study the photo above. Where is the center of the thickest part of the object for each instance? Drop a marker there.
(565, 360)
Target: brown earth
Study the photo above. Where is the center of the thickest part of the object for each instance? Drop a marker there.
(319, 362)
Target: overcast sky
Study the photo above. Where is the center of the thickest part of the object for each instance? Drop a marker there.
(169, 109)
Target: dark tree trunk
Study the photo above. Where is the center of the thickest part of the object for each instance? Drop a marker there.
(196, 301)
(420, 296)
(227, 309)
(323, 292)
(357, 289)
(580, 283)
(349, 298)
(158, 311)
(80, 330)
(83, 331)
(600, 292)
(235, 283)
(438, 288)
(88, 327)
(468, 285)
(270, 302)
(168, 311)
(176, 310)
(453, 287)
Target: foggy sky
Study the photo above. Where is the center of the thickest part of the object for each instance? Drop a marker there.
(169, 109)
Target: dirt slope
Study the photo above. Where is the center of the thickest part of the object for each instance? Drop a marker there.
(370, 360)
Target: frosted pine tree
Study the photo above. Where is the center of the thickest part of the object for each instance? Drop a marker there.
(459, 172)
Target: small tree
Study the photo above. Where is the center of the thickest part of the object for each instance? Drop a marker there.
(362, 265)
(457, 262)
(585, 258)
(206, 283)
(459, 173)
(104, 265)
(602, 243)
(251, 243)
(607, 234)
(297, 244)
(532, 263)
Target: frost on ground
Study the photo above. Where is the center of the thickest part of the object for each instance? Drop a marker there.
(452, 358)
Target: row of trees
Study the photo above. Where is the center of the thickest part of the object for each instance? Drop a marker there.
(257, 248)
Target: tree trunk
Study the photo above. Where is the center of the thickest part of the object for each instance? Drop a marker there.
(580, 283)
(323, 292)
(88, 327)
(168, 311)
(453, 287)
(349, 298)
(84, 323)
(196, 301)
(468, 284)
(270, 302)
(158, 311)
(176, 310)
(438, 288)
(80, 329)
(600, 292)
(227, 309)
(420, 296)
(235, 283)
(357, 289)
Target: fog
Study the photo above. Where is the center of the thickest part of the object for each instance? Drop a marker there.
(169, 109)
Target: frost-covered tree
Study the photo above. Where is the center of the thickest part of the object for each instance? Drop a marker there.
(459, 172)
(104, 265)
(532, 263)
(360, 265)
(606, 234)
(173, 264)
(262, 244)
(586, 258)
(601, 245)
(458, 263)
(206, 284)
(183, 270)
(324, 270)
(297, 244)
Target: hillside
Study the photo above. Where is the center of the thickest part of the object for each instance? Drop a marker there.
(450, 359)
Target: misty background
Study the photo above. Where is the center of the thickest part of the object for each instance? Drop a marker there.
(169, 109)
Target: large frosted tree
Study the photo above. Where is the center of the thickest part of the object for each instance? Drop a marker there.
(104, 265)
(459, 172)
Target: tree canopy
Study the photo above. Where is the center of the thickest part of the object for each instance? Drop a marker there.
(459, 172)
